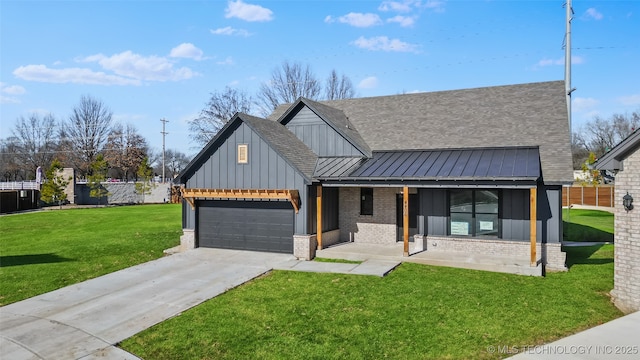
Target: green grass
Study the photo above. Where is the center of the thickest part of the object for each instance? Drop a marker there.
(416, 312)
(587, 225)
(342, 261)
(47, 250)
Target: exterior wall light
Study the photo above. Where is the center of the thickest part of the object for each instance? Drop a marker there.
(627, 202)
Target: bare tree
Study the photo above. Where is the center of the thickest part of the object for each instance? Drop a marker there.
(176, 162)
(602, 134)
(125, 150)
(338, 87)
(11, 167)
(219, 109)
(288, 83)
(36, 142)
(86, 131)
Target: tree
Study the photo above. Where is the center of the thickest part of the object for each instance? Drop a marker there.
(600, 135)
(175, 162)
(338, 87)
(287, 84)
(591, 175)
(125, 150)
(36, 142)
(86, 132)
(144, 186)
(52, 190)
(98, 175)
(219, 109)
(11, 167)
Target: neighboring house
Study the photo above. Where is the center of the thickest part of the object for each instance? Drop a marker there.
(624, 158)
(477, 170)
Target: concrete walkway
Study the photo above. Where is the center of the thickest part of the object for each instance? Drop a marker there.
(617, 339)
(86, 320)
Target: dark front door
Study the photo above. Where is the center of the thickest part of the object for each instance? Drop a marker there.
(246, 225)
(413, 216)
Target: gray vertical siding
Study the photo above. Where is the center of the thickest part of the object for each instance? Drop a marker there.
(319, 136)
(514, 213)
(330, 209)
(265, 170)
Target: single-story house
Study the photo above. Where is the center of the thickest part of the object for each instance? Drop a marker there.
(624, 159)
(475, 170)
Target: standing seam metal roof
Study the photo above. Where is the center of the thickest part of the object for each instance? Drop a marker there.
(506, 163)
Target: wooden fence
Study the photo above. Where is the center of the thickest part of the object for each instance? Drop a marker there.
(602, 195)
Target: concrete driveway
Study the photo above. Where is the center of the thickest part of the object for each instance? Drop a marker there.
(85, 320)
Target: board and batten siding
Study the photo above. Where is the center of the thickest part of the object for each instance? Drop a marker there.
(433, 213)
(319, 136)
(266, 169)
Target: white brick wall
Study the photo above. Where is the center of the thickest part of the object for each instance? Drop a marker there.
(626, 289)
(379, 228)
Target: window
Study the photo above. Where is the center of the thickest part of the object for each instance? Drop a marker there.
(473, 212)
(366, 201)
(243, 154)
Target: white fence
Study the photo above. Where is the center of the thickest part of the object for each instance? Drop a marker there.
(20, 185)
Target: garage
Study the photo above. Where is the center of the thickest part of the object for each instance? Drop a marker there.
(246, 225)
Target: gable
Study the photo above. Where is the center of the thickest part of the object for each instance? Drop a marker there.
(319, 136)
(513, 115)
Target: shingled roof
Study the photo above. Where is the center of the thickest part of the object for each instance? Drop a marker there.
(532, 114)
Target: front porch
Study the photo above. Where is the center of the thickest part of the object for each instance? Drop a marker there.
(363, 251)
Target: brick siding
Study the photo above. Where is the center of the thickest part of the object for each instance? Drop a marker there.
(626, 290)
(379, 228)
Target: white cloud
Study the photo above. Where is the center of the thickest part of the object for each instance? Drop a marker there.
(631, 100)
(404, 6)
(247, 12)
(368, 83)
(228, 30)
(404, 21)
(360, 19)
(188, 51)
(135, 66)
(560, 61)
(41, 73)
(12, 89)
(579, 104)
(9, 100)
(227, 61)
(592, 13)
(383, 43)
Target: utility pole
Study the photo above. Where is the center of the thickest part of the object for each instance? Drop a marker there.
(567, 62)
(164, 133)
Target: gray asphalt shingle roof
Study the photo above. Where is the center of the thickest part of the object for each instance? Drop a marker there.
(532, 114)
(284, 142)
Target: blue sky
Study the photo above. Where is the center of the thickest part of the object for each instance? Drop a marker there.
(149, 60)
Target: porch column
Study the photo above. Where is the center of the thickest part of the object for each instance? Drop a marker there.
(319, 216)
(405, 219)
(533, 225)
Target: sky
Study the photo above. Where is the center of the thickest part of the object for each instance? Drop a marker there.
(149, 60)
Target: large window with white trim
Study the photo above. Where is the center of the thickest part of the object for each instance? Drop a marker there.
(473, 212)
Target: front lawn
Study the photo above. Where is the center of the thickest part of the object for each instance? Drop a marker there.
(587, 225)
(47, 250)
(416, 312)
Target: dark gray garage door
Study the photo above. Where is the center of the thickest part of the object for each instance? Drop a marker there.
(246, 225)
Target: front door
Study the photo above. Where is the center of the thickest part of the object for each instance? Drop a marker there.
(413, 217)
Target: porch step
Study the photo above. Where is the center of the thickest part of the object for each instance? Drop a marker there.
(362, 252)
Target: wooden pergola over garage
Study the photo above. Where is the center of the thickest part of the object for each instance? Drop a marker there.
(265, 194)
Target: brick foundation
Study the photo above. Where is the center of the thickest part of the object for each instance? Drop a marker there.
(555, 259)
(187, 240)
(304, 246)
